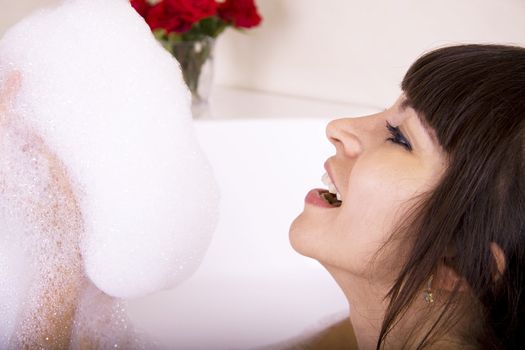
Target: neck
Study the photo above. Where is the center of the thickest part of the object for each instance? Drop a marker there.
(367, 306)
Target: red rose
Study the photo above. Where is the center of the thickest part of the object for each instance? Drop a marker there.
(179, 15)
(141, 6)
(242, 13)
(203, 8)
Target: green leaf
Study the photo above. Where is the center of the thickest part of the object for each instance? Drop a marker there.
(160, 34)
(174, 37)
(211, 26)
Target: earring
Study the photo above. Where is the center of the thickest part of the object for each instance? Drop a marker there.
(427, 294)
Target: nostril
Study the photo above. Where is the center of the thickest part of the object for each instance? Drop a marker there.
(336, 142)
(332, 132)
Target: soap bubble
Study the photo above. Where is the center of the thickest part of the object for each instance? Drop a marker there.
(111, 104)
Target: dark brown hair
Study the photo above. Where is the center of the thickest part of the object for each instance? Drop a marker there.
(473, 96)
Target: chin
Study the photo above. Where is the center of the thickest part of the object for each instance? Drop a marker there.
(309, 242)
(303, 236)
(294, 233)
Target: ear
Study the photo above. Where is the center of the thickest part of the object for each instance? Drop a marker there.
(446, 279)
(499, 259)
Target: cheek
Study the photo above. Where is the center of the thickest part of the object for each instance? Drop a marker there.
(377, 196)
(377, 187)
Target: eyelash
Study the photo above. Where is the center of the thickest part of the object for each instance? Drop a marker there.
(397, 137)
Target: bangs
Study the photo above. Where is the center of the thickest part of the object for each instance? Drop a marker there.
(463, 88)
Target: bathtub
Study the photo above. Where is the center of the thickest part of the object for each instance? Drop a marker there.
(252, 289)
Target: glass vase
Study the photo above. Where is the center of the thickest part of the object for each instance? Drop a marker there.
(196, 60)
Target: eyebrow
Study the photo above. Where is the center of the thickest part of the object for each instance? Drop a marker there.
(407, 103)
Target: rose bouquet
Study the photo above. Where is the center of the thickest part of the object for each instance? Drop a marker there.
(188, 28)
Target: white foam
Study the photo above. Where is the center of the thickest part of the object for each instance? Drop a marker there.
(104, 322)
(38, 248)
(110, 102)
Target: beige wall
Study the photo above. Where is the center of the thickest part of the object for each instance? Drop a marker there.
(356, 51)
(13, 10)
(343, 50)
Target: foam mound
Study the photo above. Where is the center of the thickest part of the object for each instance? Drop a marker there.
(110, 102)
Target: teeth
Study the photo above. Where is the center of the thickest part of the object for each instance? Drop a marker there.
(326, 179)
(331, 187)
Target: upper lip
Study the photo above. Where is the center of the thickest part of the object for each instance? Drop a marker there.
(330, 174)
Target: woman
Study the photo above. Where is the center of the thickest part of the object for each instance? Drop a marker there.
(427, 241)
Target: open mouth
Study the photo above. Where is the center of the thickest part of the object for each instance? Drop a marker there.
(331, 199)
(331, 196)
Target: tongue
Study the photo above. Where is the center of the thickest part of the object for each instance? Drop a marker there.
(331, 199)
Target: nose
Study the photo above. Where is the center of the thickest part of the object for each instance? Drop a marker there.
(341, 133)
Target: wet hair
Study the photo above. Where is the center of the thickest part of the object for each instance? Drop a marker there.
(473, 97)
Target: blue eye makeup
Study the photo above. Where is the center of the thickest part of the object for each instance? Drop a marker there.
(397, 137)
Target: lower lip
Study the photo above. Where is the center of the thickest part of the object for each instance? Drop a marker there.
(314, 198)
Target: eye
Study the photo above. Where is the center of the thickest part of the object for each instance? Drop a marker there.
(397, 137)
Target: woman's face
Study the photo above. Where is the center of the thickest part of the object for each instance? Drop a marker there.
(376, 179)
